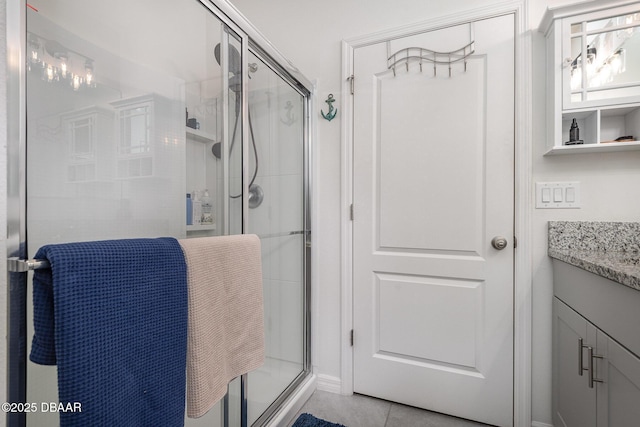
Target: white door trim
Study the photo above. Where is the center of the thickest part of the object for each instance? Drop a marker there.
(523, 206)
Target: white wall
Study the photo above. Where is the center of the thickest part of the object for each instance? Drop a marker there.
(310, 36)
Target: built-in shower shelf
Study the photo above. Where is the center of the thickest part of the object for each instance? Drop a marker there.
(201, 227)
(200, 136)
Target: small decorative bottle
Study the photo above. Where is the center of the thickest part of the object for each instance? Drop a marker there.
(574, 134)
(207, 209)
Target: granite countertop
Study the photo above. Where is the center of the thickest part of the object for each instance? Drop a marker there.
(608, 249)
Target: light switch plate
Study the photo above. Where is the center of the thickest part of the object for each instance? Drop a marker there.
(558, 195)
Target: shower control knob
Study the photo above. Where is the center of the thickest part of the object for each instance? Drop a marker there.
(499, 243)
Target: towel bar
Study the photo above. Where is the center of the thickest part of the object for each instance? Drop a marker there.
(17, 265)
(282, 234)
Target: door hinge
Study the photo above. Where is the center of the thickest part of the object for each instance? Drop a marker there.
(351, 78)
(515, 242)
(351, 212)
(351, 338)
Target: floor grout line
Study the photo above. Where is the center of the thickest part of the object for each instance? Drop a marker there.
(386, 421)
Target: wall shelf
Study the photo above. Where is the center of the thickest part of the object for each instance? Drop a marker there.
(598, 127)
(205, 227)
(198, 135)
(594, 148)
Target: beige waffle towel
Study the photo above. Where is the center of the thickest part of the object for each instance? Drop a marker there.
(226, 330)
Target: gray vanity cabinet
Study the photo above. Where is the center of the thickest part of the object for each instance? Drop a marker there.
(596, 323)
(574, 403)
(618, 396)
(607, 394)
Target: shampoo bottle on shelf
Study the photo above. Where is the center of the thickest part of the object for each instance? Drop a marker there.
(197, 208)
(207, 209)
(189, 210)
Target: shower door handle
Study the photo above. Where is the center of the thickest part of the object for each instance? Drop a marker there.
(499, 243)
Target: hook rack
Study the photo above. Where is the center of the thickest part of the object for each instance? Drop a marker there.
(418, 54)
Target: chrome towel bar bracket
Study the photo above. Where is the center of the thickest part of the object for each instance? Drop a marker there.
(16, 265)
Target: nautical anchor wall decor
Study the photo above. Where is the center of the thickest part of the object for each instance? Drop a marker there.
(332, 111)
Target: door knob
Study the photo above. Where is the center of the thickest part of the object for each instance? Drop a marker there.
(499, 243)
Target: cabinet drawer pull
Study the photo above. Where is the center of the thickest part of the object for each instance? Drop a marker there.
(591, 369)
(581, 346)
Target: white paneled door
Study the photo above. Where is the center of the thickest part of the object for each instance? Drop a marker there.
(433, 185)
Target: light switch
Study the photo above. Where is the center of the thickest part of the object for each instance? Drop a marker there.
(558, 195)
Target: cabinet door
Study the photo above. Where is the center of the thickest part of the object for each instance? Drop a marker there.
(574, 403)
(600, 53)
(619, 393)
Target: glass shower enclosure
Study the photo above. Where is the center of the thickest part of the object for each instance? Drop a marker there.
(149, 119)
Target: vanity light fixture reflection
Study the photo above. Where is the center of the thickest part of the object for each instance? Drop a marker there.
(58, 64)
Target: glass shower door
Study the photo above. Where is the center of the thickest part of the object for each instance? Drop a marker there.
(277, 213)
(125, 103)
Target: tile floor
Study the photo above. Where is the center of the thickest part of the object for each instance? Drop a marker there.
(364, 411)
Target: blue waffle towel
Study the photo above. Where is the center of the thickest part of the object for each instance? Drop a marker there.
(113, 316)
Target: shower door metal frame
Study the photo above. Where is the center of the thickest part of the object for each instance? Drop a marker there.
(254, 42)
(16, 243)
(303, 91)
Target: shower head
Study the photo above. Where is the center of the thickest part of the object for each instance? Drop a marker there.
(235, 63)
